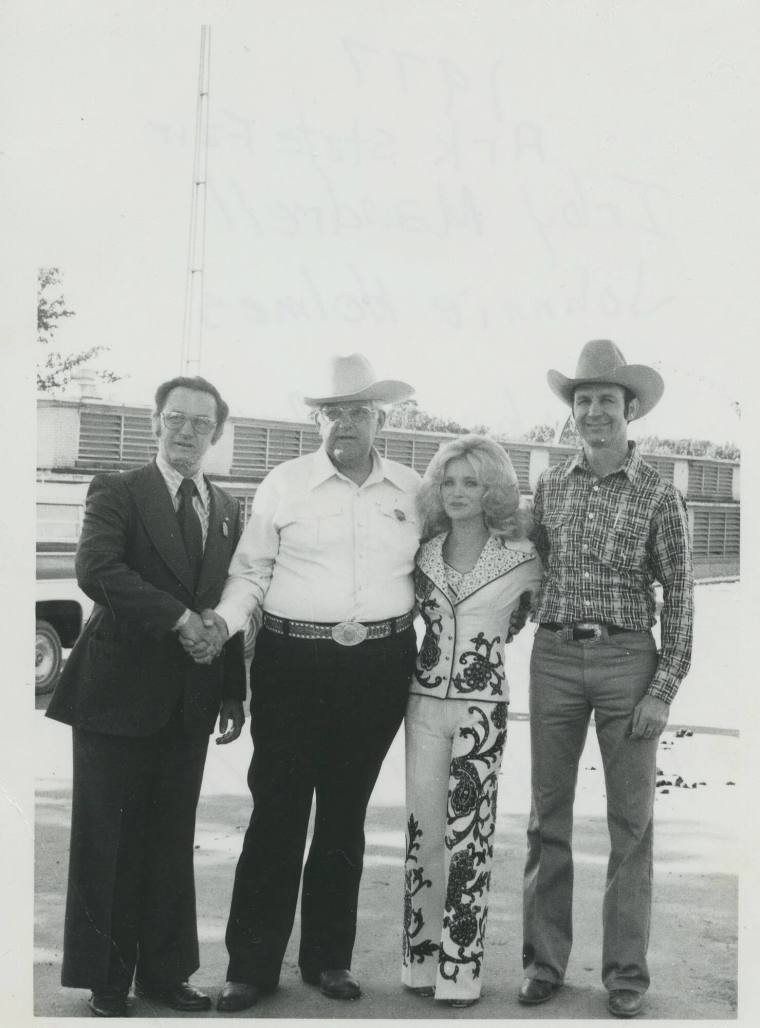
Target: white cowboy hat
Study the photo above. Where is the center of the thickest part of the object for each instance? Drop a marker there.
(602, 361)
(353, 378)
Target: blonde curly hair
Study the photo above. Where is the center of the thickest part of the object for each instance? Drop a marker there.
(501, 500)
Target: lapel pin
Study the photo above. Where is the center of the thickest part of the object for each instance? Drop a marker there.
(225, 528)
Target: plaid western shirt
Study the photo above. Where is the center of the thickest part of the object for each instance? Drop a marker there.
(604, 541)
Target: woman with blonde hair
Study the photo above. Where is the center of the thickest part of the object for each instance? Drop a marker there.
(474, 570)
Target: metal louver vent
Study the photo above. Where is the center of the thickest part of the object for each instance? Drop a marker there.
(716, 533)
(520, 457)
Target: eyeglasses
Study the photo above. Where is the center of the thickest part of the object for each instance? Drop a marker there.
(353, 414)
(175, 420)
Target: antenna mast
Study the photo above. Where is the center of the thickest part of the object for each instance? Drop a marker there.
(192, 326)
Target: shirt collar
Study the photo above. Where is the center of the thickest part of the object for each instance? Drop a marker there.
(173, 479)
(381, 469)
(630, 467)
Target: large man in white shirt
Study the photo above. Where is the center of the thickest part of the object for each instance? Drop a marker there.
(326, 562)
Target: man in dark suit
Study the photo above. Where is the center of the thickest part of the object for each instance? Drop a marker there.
(153, 555)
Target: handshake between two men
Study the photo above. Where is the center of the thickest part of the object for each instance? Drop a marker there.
(203, 635)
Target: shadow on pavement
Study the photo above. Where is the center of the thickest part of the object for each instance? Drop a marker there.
(693, 951)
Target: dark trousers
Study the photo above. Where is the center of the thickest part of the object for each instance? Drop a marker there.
(323, 717)
(131, 893)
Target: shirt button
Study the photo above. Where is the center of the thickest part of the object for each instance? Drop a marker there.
(596, 488)
(585, 546)
(591, 517)
(587, 603)
(585, 574)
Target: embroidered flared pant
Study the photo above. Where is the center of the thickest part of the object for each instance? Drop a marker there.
(454, 749)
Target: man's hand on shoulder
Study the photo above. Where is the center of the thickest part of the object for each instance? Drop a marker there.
(519, 615)
(650, 716)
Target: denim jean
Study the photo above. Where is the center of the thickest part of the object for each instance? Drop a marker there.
(568, 681)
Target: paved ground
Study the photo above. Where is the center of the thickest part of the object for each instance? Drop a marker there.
(693, 949)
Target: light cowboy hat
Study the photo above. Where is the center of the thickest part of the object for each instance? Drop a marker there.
(602, 361)
(353, 378)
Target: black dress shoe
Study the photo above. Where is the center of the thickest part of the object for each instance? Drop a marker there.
(536, 990)
(238, 996)
(177, 995)
(108, 1004)
(624, 1002)
(337, 983)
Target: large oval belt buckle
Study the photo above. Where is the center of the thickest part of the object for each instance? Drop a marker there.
(349, 633)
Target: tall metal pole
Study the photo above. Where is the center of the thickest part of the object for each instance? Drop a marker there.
(192, 326)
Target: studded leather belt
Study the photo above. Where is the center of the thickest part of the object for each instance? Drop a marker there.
(345, 633)
(582, 630)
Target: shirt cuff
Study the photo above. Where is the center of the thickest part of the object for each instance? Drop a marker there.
(231, 615)
(181, 621)
(664, 686)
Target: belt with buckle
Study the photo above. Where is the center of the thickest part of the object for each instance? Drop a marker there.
(582, 630)
(346, 633)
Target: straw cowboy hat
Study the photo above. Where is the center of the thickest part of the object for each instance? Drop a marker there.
(602, 361)
(353, 378)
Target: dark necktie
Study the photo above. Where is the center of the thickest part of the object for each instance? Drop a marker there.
(190, 527)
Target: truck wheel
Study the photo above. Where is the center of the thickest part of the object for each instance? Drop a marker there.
(47, 658)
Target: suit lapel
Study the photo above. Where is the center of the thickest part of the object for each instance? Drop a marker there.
(217, 551)
(160, 519)
(430, 561)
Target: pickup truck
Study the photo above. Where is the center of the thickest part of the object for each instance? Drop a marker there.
(62, 609)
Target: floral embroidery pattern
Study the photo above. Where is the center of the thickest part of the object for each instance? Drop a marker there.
(430, 651)
(414, 882)
(471, 816)
(483, 667)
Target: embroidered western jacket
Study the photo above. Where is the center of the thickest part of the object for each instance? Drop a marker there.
(462, 654)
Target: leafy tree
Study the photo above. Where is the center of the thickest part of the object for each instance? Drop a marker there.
(410, 415)
(540, 434)
(656, 444)
(53, 367)
(652, 444)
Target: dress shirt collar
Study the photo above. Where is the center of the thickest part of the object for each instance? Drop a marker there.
(173, 479)
(630, 467)
(381, 469)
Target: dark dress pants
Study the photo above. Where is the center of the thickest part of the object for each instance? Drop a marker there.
(131, 892)
(323, 717)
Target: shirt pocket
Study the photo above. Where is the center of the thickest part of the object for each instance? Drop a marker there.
(308, 530)
(395, 528)
(557, 526)
(624, 546)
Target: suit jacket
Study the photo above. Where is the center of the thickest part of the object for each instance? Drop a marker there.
(128, 670)
(462, 654)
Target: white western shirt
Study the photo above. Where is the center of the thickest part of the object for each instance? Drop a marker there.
(321, 548)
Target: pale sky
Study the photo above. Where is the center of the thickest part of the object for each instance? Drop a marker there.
(466, 192)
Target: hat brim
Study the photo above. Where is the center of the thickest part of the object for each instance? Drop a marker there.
(388, 390)
(644, 382)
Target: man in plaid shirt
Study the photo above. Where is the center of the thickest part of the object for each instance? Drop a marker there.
(608, 527)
